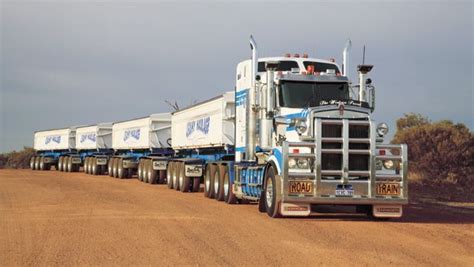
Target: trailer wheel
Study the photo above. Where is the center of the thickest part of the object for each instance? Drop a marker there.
(218, 188)
(60, 164)
(37, 163)
(145, 170)
(41, 163)
(110, 166)
(69, 166)
(169, 174)
(184, 181)
(32, 163)
(114, 167)
(140, 170)
(272, 198)
(152, 174)
(209, 180)
(162, 176)
(93, 168)
(120, 169)
(229, 196)
(177, 170)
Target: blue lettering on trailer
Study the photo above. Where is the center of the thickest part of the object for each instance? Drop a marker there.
(52, 138)
(201, 125)
(135, 133)
(90, 136)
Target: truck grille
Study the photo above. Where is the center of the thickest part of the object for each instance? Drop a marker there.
(344, 141)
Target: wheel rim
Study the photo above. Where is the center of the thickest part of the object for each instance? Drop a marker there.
(226, 185)
(216, 183)
(269, 193)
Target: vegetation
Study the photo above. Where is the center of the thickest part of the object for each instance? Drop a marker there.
(17, 160)
(440, 154)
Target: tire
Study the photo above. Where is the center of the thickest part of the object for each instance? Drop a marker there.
(60, 164)
(86, 167)
(152, 174)
(110, 167)
(145, 166)
(227, 185)
(93, 163)
(177, 170)
(32, 162)
(37, 163)
(140, 170)
(69, 167)
(41, 163)
(120, 169)
(169, 174)
(208, 181)
(114, 167)
(162, 177)
(196, 184)
(183, 180)
(218, 181)
(272, 199)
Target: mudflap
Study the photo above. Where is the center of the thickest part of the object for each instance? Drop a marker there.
(387, 211)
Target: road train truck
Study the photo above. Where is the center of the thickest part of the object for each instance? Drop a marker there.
(141, 146)
(54, 148)
(296, 133)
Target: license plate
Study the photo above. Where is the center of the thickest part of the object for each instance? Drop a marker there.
(301, 187)
(388, 189)
(344, 190)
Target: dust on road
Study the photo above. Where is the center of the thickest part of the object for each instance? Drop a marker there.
(54, 218)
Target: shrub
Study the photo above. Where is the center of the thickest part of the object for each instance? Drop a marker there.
(443, 152)
(17, 160)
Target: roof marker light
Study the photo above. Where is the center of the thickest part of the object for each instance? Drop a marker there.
(332, 60)
(305, 55)
(287, 55)
(296, 55)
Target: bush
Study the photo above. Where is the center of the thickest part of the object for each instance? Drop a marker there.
(17, 160)
(442, 152)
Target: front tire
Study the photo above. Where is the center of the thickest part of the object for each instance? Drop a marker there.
(272, 199)
(229, 196)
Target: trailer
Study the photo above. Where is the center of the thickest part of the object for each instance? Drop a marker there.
(201, 134)
(54, 148)
(141, 147)
(94, 147)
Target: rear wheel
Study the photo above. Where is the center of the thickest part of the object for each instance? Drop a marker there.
(169, 174)
(196, 184)
(60, 164)
(152, 174)
(145, 167)
(218, 190)
(86, 167)
(41, 164)
(69, 167)
(229, 196)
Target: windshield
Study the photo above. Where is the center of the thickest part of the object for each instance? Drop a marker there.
(310, 94)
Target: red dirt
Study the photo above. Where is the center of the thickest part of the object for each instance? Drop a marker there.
(54, 218)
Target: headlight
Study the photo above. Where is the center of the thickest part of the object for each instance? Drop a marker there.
(303, 163)
(300, 126)
(291, 163)
(382, 129)
(388, 164)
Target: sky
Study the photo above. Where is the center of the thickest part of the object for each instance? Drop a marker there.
(66, 63)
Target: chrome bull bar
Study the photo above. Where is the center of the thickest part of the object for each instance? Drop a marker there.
(363, 182)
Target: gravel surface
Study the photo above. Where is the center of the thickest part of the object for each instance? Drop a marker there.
(54, 218)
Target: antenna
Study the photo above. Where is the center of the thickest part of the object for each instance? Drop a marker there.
(363, 56)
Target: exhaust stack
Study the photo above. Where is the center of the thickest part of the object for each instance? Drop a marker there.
(345, 54)
(251, 115)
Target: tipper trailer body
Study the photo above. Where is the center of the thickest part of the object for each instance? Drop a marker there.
(94, 147)
(140, 142)
(51, 146)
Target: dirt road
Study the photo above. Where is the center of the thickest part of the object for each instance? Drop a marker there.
(53, 218)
